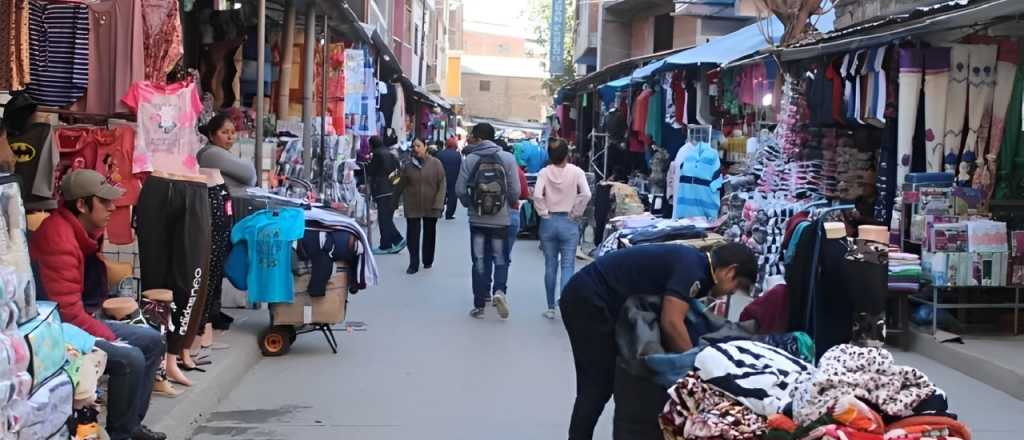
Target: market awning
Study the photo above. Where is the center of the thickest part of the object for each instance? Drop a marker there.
(944, 16)
(424, 96)
(746, 41)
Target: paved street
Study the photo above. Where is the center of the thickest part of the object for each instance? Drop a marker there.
(425, 370)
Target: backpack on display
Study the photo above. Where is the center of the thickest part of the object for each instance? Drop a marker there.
(488, 186)
(45, 338)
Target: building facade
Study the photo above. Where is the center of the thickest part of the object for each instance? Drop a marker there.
(502, 73)
(612, 31)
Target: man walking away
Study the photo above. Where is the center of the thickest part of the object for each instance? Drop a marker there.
(383, 171)
(452, 161)
(514, 224)
(592, 299)
(487, 185)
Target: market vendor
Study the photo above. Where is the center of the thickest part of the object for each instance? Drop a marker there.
(592, 299)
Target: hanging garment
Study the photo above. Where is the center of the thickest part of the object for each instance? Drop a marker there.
(1010, 178)
(836, 79)
(704, 104)
(220, 246)
(641, 107)
(869, 374)
(699, 183)
(161, 27)
(980, 90)
(36, 164)
(874, 104)
(269, 235)
(59, 45)
(655, 116)
(911, 78)
(1006, 68)
(118, 58)
(936, 83)
(167, 134)
(956, 96)
(14, 46)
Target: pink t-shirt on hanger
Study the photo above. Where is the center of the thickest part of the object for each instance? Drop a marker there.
(167, 117)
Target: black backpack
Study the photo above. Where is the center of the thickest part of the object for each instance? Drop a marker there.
(488, 185)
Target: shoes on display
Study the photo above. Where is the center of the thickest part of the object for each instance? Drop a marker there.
(550, 314)
(477, 313)
(501, 304)
(144, 433)
(412, 270)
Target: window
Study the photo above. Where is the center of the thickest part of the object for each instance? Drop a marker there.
(485, 85)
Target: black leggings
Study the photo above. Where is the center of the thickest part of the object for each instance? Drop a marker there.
(220, 245)
(173, 225)
(412, 233)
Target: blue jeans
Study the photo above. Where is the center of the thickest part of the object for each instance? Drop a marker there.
(513, 232)
(487, 248)
(131, 368)
(559, 236)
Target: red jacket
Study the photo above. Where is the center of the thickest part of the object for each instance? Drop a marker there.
(60, 247)
(524, 188)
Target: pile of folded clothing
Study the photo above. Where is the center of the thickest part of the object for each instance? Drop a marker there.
(904, 272)
(731, 391)
(747, 390)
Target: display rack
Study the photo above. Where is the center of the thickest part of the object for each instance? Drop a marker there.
(936, 305)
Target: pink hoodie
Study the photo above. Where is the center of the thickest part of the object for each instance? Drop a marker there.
(561, 189)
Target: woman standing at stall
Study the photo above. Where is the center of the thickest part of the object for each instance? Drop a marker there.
(238, 174)
(423, 189)
(560, 197)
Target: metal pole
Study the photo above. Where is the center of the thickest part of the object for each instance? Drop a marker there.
(261, 45)
(287, 49)
(324, 175)
(307, 91)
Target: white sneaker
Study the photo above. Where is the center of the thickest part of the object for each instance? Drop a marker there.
(501, 304)
(550, 314)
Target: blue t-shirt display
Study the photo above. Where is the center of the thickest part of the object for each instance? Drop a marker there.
(269, 235)
(530, 155)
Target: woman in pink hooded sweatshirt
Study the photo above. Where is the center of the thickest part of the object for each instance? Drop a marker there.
(560, 197)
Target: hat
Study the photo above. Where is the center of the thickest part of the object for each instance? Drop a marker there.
(84, 183)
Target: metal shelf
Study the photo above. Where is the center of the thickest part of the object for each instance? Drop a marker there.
(1016, 305)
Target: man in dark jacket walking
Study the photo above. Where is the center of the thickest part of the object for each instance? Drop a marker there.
(380, 170)
(488, 229)
(452, 161)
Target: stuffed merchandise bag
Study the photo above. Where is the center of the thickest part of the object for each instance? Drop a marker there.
(14, 247)
(46, 413)
(45, 338)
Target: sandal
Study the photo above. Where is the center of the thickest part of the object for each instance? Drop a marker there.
(184, 367)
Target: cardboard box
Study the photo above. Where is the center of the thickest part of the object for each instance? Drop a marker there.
(328, 309)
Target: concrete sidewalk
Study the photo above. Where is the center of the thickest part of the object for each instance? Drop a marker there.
(178, 416)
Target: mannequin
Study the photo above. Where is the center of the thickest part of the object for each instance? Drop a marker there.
(178, 360)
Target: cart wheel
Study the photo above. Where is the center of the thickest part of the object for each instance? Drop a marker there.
(275, 341)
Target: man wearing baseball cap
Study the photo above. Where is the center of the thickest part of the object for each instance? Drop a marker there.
(66, 247)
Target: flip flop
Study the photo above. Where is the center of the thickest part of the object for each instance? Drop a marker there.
(184, 367)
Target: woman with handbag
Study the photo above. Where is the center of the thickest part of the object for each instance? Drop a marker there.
(384, 175)
(422, 188)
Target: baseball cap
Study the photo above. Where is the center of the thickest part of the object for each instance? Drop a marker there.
(84, 183)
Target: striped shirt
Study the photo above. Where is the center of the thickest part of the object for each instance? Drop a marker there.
(59, 52)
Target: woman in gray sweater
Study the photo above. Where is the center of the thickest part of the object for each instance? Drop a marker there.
(238, 174)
